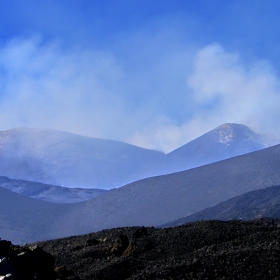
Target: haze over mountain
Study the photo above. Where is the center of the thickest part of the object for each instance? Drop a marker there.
(150, 202)
(65, 159)
(50, 193)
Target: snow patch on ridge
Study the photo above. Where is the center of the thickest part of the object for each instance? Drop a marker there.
(226, 133)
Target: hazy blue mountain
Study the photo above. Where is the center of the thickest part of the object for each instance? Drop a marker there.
(24, 219)
(249, 206)
(162, 199)
(226, 141)
(66, 159)
(153, 201)
(49, 192)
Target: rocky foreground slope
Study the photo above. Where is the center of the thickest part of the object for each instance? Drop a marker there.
(200, 250)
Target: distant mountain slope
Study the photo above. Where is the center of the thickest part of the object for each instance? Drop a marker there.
(65, 159)
(249, 206)
(49, 192)
(61, 158)
(24, 219)
(226, 141)
(149, 202)
(158, 200)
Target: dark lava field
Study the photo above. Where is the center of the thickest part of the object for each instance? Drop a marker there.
(200, 250)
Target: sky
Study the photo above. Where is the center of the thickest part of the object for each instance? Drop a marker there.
(155, 74)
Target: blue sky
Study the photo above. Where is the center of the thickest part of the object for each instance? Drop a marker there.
(152, 73)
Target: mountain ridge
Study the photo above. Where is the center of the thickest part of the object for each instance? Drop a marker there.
(147, 202)
(66, 159)
(62, 158)
(226, 141)
(47, 192)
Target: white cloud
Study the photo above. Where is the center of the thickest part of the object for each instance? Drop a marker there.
(165, 135)
(238, 92)
(86, 91)
(224, 89)
(43, 85)
(92, 93)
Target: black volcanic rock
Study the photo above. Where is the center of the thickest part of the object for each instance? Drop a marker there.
(25, 263)
(201, 250)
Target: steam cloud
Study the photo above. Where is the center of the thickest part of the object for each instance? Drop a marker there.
(44, 86)
(92, 93)
(223, 89)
